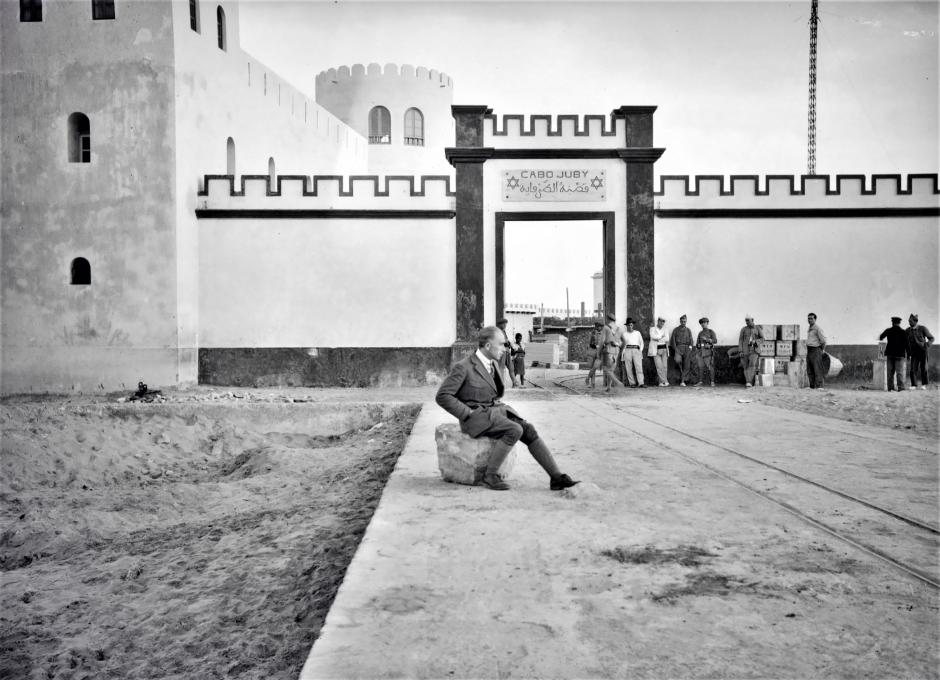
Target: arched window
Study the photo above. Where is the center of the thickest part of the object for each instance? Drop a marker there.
(230, 157)
(272, 174)
(380, 126)
(414, 127)
(102, 9)
(220, 19)
(30, 10)
(194, 15)
(80, 272)
(79, 138)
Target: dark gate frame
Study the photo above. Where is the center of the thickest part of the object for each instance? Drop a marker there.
(609, 231)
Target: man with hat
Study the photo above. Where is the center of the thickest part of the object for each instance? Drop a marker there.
(659, 349)
(705, 344)
(919, 340)
(506, 360)
(472, 392)
(682, 349)
(749, 340)
(895, 353)
(594, 352)
(611, 344)
(633, 355)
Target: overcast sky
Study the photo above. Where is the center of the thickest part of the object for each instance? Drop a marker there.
(730, 78)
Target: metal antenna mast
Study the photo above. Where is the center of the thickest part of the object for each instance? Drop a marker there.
(811, 128)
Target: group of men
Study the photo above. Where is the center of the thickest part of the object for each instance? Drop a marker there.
(612, 347)
(903, 346)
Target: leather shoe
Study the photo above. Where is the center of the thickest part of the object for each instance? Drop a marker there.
(495, 483)
(562, 482)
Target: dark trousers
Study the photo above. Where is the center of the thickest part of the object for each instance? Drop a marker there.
(684, 361)
(918, 369)
(510, 428)
(706, 365)
(896, 366)
(814, 367)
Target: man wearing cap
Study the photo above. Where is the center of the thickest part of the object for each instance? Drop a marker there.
(895, 353)
(472, 392)
(633, 355)
(919, 340)
(815, 348)
(659, 349)
(611, 344)
(705, 344)
(749, 340)
(506, 360)
(682, 349)
(594, 352)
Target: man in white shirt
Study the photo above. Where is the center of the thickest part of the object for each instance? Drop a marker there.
(659, 349)
(633, 355)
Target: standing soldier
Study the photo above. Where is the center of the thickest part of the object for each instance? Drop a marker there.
(815, 348)
(659, 349)
(505, 361)
(633, 355)
(705, 343)
(749, 344)
(895, 353)
(594, 351)
(611, 344)
(919, 340)
(682, 349)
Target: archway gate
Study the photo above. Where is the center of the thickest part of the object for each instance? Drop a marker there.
(540, 167)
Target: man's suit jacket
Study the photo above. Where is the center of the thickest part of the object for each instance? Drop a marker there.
(469, 393)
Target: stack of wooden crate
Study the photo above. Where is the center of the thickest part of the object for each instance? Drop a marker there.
(782, 356)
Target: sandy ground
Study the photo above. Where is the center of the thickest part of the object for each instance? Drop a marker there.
(201, 537)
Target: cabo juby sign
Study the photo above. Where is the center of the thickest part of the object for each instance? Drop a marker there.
(544, 185)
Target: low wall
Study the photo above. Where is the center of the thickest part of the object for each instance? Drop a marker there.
(323, 367)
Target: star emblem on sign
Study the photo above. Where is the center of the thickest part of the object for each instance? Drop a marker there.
(597, 182)
(512, 182)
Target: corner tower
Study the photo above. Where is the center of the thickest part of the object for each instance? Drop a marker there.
(404, 112)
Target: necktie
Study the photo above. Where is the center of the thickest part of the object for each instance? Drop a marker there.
(497, 379)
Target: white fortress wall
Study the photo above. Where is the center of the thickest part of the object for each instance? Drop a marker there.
(224, 94)
(366, 269)
(788, 252)
(116, 211)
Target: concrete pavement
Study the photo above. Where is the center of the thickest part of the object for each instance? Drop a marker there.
(676, 558)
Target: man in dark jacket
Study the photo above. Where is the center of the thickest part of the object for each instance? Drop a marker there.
(919, 340)
(895, 352)
(472, 393)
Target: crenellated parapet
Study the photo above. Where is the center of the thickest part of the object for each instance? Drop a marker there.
(406, 72)
(771, 194)
(260, 194)
(625, 127)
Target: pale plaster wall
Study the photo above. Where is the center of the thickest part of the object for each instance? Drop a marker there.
(614, 201)
(855, 274)
(117, 210)
(229, 93)
(327, 283)
(351, 93)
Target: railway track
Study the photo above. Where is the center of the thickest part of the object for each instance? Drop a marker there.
(904, 533)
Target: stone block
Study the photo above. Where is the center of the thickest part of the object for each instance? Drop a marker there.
(781, 380)
(767, 348)
(801, 349)
(879, 374)
(462, 459)
(788, 331)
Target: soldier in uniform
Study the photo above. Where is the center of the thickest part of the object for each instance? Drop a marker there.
(611, 344)
(749, 340)
(594, 352)
(505, 361)
(705, 344)
(682, 349)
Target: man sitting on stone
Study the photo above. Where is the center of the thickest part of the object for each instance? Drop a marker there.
(472, 392)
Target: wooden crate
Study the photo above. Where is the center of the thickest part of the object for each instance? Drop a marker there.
(780, 365)
(766, 365)
(767, 348)
(769, 330)
(783, 348)
(788, 331)
(765, 379)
